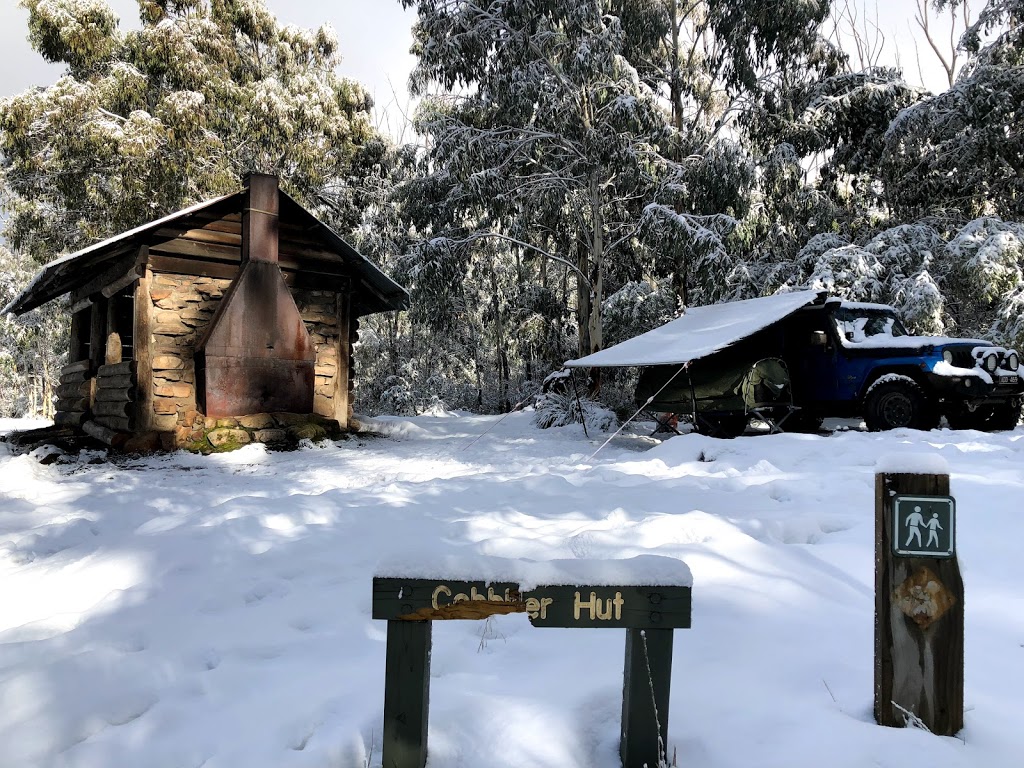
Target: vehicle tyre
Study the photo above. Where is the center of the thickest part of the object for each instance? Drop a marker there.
(1005, 416)
(725, 426)
(898, 403)
(995, 418)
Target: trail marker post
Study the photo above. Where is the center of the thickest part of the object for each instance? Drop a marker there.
(919, 604)
(648, 614)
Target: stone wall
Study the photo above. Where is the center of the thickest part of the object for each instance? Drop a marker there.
(319, 310)
(182, 308)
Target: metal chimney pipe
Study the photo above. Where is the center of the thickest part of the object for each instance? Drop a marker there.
(260, 219)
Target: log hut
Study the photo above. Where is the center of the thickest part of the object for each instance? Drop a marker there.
(229, 321)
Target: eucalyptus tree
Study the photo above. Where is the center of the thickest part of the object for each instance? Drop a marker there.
(30, 347)
(147, 120)
(552, 122)
(960, 154)
(596, 131)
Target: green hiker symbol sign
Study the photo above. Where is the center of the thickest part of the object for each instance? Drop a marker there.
(924, 526)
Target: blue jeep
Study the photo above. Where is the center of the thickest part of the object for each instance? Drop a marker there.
(841, 359)
(849, 359)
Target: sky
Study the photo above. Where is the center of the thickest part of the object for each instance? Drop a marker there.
(375, 36)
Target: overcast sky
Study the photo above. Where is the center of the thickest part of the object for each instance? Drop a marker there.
(375, 36)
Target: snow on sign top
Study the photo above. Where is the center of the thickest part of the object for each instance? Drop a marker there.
(700, 332)
(641, 570)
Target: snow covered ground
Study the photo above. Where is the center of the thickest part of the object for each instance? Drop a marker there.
(183, 611)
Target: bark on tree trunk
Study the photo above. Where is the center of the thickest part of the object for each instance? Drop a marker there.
(583, 301)
(501, 357)
(596, 276)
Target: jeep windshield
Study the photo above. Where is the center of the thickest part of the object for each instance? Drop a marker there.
(859, 323)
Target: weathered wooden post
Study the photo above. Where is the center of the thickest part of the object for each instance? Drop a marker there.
(407, 694)
(919, 599)
(643, 739)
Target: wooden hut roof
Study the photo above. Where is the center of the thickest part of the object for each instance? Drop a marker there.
(69, 273)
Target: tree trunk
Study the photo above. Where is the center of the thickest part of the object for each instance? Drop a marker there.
(500, 354)
(583, 301)
(675, 80)
(596, 275)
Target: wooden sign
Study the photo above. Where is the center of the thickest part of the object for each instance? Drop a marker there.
(648, 614)
(599, 607)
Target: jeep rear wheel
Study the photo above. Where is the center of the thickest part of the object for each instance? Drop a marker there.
(897, 403)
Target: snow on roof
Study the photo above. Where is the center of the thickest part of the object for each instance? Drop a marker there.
(57, 264)
(56, 278)
(698, 333)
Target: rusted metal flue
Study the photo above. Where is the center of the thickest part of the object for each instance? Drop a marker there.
(257, 356)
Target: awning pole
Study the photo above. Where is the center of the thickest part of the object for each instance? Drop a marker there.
(583, 417)
(640, 409)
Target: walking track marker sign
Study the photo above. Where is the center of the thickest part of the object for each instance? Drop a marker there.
(924, 526)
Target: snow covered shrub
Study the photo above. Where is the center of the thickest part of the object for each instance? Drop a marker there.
(985, 262)
(556, 409)
(397, 398)
(848, 271)
(987, 251)
(894, 267)
(906, 255)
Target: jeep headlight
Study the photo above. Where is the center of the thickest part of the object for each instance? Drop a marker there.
(947, 355)
(991, 362)
(1012, 360)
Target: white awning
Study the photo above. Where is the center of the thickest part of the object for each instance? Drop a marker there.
(698, 333)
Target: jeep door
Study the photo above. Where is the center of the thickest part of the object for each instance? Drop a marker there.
(812, 354)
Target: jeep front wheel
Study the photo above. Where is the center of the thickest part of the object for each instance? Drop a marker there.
(897, 403)
(993, 418)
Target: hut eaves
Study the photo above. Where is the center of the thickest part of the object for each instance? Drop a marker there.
(69, 272)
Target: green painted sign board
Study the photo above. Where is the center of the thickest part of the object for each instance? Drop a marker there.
(595, 607)
(924, 526)
(649, 614)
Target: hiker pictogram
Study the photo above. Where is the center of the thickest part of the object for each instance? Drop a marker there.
(924, 526)
(914, 523)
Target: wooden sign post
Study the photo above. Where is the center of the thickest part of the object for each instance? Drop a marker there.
(648, 614)
(919, 604)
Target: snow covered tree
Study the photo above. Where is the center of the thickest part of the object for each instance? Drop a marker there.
(959, 153)
(560, 131)
(985, 280)
(144, 122)
(556, 123)
(897, 266)
(31, 348)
